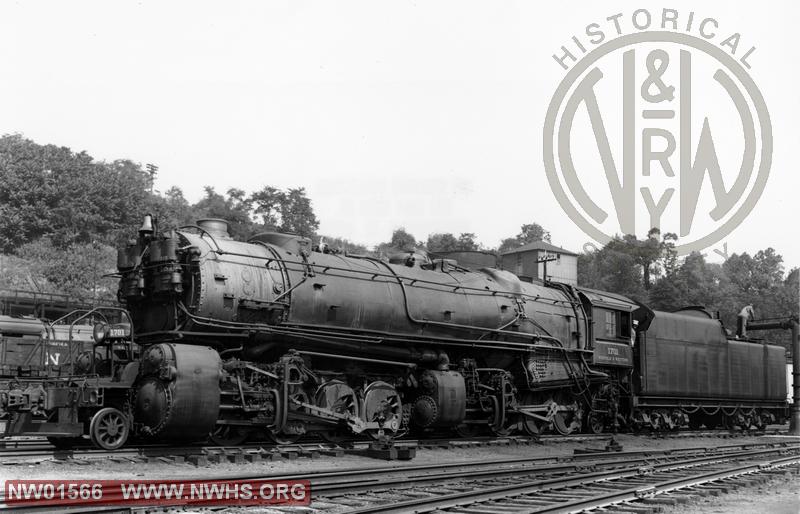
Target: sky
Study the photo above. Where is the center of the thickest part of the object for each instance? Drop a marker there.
(425, 115)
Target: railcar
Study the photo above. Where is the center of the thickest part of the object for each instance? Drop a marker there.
(89, 396)
(690, 371)
(32, 347)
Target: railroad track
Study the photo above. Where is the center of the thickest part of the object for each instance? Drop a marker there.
(196, 454)
(631, 487)
(539, 484)
(32, 450)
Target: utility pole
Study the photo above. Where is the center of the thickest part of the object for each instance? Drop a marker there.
(152, 170)
(544, 260)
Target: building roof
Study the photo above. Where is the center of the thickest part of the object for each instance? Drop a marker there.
(539, 246)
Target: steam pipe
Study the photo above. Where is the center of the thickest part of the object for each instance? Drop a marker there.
(360, 359)
(428, 357)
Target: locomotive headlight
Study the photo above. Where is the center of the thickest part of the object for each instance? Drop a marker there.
(100, 332)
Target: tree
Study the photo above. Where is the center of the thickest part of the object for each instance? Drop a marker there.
(79, 270)
(533, 232)
(725, 288)
(666, 295)
(285, 211)
(172, 209)
(297, 215)
(402, 240)
(233, 208)
(644, 252)
(445, 242)
(612, 270)
(668, 261)
(756, 280)
(701, 283)
(529, 233)
(267, 203)
(52, 191)
(467, 243)
(653, 256)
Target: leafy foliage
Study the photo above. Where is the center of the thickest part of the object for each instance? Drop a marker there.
(612, 269)
(52, 191)
(80, 270)
(234, 208)
(447, 242)
(402, 240)
(63, 213)
(172, 209)
(285, 211)
(622, 267)
(528, 233)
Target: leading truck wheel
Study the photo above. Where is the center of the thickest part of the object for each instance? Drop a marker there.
(109, 429)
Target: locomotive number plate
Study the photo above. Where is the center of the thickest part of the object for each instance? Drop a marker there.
(612, 354)
(119, 331)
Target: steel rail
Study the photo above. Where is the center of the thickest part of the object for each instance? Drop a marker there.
(506, 492)
(637, 493)
(33, 448)
(337, 483)
(318, 477)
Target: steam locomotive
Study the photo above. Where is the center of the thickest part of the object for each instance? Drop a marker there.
(272, 337)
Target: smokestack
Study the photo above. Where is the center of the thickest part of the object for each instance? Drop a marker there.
(215, 227)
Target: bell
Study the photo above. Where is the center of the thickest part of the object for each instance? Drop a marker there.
(147, 226)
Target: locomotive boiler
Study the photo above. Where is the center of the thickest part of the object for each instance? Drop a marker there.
(269, 335)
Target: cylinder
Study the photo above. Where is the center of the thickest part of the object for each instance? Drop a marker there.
(178, 392)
